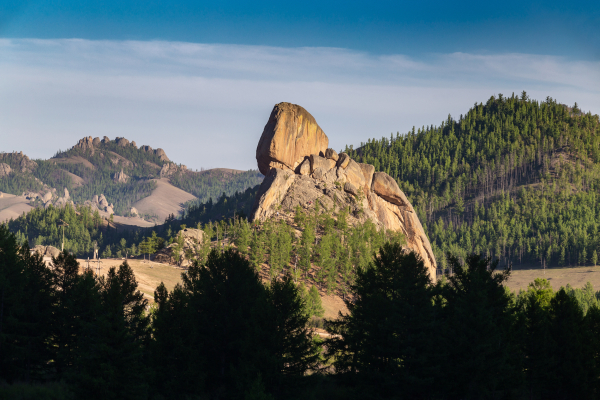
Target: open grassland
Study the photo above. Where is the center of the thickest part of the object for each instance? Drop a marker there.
(574, 276)
(150, 274)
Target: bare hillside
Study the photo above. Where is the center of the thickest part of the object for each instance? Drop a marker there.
(164, 200)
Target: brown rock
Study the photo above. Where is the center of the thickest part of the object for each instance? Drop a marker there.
(105, 139)
(52, 251)
(271, 192)
(386, 187)
(304, 167)
(121, 141)
(96, 141)
(85, 144)
(331, 154)
(350, 188)
(161, 154)
(121, 177)
(354, 174)
(343, 160)
(4, 170)
(290, 135)
(367, 170)
(318, 162)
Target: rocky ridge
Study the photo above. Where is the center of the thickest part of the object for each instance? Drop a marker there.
(300, 170)
(90, 144)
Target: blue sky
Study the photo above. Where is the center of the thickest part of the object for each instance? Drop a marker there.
(199, 78)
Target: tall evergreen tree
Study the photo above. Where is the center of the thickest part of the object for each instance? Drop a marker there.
(386, 339)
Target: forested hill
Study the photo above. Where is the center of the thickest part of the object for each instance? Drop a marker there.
(118, 169)
(514, 178)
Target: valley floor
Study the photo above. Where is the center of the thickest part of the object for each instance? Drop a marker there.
(149, 275)
(577, 277)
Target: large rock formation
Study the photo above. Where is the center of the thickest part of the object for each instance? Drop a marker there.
(299, 170)
(120, 177)
(4, 170)
(17, 161)
(290, 135)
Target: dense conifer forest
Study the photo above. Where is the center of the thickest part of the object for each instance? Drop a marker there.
(66, 333)
(514, 178)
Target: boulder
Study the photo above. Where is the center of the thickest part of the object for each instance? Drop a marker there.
(290, 135)
(95, 199)
(350, 188)
(96, 141)
(4, 170)
(134, 211)
(354, 174)
(162, 155)
(110, 210)
(134, 144)
(47, 197)
(271, 192)
(343, 160)
(386, 187)
(304, 168)
(120, 177)
(368, 170)
(331, 154)
(105, 140)
(320, 163)
(121, 141)
(52, 251)
(66, 196)
(102, 201)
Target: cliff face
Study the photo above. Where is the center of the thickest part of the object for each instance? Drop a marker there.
(299, 171)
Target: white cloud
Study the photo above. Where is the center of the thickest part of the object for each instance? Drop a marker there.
(206, 105)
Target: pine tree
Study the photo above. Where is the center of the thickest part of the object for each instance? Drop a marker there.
(385, 340)
(243, 237)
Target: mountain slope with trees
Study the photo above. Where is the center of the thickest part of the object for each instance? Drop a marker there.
(513, 178)
(120, 170)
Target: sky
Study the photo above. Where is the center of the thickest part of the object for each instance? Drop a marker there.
(199, 79)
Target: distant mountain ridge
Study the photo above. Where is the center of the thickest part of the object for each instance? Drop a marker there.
(120, 171)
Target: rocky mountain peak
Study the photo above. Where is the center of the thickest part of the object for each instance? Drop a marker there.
(300, 170)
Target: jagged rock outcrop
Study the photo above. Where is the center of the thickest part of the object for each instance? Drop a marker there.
(302, 174)
(17, 161)
(46, 251)
(168, 170)
(179, 252)
(159, 152)
(121, 177)
(4, 170)
(87, 143)
(290, 135)
(121, 141)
